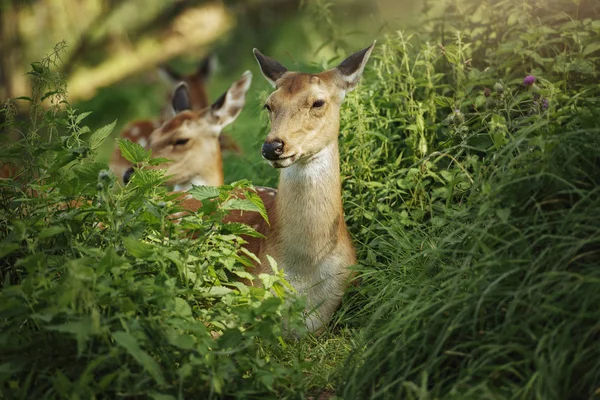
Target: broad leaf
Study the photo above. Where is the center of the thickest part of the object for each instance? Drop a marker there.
(98, 137)
(130, 344)
(136, 248)
(133, 152)
(204, 192)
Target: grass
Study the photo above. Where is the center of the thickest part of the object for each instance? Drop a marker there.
(471, 195)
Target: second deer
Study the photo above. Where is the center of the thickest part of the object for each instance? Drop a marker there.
(191, 138)
(197, 100)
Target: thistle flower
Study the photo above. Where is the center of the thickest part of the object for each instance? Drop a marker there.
(458, 116)
(545, 104)
(529, 80)
(487, 92)
(498, 88)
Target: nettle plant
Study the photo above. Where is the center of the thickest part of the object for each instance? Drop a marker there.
(104, 293)
(418, 132)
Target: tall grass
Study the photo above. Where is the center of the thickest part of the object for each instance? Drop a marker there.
(474, 197)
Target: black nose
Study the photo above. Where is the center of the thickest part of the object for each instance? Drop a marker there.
(273, 149)
(127, 175)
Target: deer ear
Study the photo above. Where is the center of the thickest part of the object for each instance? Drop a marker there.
(271, 69)
(169, 75)
(206, 67)
(351, 69)
(227, 107)
(181, 98)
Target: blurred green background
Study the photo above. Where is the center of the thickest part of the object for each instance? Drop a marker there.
(114, 49)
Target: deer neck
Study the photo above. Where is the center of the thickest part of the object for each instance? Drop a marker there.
(308, 207)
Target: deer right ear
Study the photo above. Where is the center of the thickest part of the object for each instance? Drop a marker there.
(227, 107)
(351, 69)
(181, 98)
(271, 69)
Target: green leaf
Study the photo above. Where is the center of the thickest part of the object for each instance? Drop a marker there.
(158, 161)
(238, 228)
(591, 48)
(7, 249)
(81, 329)
(51, 231)
(503, 214)
(88, 172)
(257, 201)
(215, 291)
(37, 67)
(133, 152)
(183, 341)
(252, 202)
(182, 307)
(132, 346)
(49, 94)
(204, 192)
(82, 116)
(136, 248)
(98, 137)
(160, 396)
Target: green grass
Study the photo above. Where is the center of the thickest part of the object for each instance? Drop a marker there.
(472, 198)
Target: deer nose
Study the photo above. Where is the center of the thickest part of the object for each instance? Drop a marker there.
(127, 175)
(272, 149)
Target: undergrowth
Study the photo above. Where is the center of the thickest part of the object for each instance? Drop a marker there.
(104, 294)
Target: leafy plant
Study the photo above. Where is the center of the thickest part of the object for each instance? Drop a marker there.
(110, 291)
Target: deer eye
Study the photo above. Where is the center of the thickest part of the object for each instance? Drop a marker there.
(181, 141)
(267, 108)
(318, 104)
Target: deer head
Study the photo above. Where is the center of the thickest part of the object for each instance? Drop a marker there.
(304, 108)
(191, 138)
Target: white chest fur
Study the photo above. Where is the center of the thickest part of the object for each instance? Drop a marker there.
(311, 244)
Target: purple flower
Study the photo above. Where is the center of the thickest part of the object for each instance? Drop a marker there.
(545, 104)
(529, 80)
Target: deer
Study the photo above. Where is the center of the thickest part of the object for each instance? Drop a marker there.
(191, 137)
(306, 233)
(140, 131)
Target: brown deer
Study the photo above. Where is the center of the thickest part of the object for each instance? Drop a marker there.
(191, 138)
(140, 131)
(307, 235)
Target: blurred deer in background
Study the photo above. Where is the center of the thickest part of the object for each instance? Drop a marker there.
(307, 235)
(191, 138)
(140, 131)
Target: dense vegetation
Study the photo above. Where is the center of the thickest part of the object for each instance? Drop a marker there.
(471, 170)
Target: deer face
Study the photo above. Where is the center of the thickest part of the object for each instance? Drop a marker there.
(304, 108)
(191, 138)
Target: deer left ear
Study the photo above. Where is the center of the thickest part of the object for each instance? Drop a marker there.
(351, 69)
(181, 98)
(227, 107)
(271, 69)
